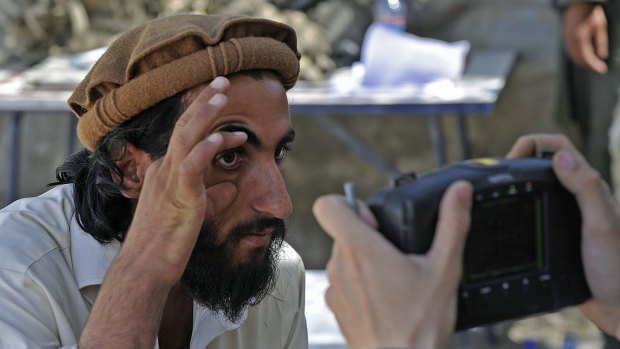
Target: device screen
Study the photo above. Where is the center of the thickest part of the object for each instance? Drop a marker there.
(506, 237)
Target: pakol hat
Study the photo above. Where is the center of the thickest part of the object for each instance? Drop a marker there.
(165, 56)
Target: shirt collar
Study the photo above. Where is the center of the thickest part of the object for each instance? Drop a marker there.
(209, 324)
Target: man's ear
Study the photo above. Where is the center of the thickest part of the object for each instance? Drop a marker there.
(133, 164)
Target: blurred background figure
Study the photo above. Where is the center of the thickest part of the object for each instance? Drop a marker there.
(591, 40)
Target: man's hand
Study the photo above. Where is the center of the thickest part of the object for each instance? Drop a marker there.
(600, 225)
(383, 298)
(173, 202)
(585, 35)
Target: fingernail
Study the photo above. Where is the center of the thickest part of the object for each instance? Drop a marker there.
(566, 160)
(214, 137)
(239, 133)
(217, 99)
(218, 82)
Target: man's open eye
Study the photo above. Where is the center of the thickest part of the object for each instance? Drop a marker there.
(229, 160)
(281, 152)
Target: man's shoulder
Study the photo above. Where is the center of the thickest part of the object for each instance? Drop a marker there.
(289, 257)
(291, 265)
(291, 277)
(31, 228)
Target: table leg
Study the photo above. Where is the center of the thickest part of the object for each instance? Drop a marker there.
(71, 136)
(14, 158)
(464, 137)
(356, 146)
(437, 138)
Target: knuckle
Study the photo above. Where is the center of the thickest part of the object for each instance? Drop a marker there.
(154, 167)
(181, 122)
(179, 142)
(330, 271)
(329, 297)
(186, 169)
(593, 179)
(523, 138)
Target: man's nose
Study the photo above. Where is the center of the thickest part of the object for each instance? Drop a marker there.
(272, 197)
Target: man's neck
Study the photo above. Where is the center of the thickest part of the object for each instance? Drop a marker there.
(175, 330)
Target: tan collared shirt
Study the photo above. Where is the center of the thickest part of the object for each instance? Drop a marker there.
(51, 271)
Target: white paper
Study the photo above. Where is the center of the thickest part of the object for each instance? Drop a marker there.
(392, 57)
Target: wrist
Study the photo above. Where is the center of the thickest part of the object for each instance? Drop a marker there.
(147, 266)
(160, 251)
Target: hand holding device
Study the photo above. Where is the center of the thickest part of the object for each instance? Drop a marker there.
(376, 291)
(522, 254)
(600, 225)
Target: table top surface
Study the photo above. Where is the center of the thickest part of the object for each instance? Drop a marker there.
(485, 76)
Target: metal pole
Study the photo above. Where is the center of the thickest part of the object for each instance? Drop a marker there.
(71, 136)
(437, 138)
(356, 145)
(464, 137)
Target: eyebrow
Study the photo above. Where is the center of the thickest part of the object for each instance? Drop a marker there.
(253, 139)
(288, 137)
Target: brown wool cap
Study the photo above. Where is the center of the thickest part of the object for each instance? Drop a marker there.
(165, 56)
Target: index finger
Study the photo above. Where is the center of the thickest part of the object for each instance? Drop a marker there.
(341, 223)
(601, 41)
(527, 146)
(335, 216)
(591, 60)
(195, 122)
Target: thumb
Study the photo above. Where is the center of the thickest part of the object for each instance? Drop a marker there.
(219, 197)
(453, 225)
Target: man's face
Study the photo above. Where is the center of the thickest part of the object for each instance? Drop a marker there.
(234, 261)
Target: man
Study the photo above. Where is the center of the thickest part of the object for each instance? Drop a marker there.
(168, 229)
(385, 299)
(590, 35)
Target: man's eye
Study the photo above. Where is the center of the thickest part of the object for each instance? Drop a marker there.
(281, 153)
(229, 160)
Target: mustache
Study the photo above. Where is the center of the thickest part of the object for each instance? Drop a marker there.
(257, 225)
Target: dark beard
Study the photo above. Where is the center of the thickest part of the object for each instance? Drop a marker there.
(216, 280)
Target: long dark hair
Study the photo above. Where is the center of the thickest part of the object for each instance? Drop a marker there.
(101, 209)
